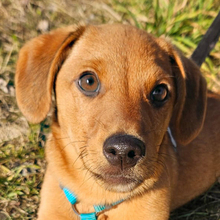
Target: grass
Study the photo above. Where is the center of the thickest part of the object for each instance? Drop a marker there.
(22, 163)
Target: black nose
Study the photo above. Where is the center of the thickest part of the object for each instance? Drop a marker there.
(123, 151)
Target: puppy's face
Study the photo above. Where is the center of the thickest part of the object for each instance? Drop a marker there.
(115, 94)
(117, 90)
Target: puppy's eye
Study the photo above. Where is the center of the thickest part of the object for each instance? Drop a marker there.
(159, 94)
(89, 84)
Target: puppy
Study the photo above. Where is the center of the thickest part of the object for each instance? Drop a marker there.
(135, 132)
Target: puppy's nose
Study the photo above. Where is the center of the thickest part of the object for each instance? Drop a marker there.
(123, 151)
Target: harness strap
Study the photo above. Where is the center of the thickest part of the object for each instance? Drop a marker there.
(72, 198)
(172, 138)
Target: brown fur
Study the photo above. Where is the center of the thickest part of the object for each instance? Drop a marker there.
(129, 64)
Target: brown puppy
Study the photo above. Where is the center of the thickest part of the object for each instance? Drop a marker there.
(118, 90)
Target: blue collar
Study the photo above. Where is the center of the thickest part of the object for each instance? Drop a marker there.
(72, 198)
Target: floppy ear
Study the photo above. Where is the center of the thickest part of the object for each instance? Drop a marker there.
(190, 107)
(39, 62)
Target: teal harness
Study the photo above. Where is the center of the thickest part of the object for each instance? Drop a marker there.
(72, 198)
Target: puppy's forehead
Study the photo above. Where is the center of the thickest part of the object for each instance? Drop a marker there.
(121, 40)
(117, 37)
(120, 48)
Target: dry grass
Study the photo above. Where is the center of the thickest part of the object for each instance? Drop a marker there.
(22, 145)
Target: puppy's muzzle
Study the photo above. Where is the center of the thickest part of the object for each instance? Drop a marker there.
(123, 151)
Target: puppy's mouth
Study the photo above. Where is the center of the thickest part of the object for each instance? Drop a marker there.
(114, 179)
(120, 183)
(123, 181)
(118, 180)
(123, 154)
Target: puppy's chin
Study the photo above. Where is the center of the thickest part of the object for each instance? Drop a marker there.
(118, 183)
(121, 188)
